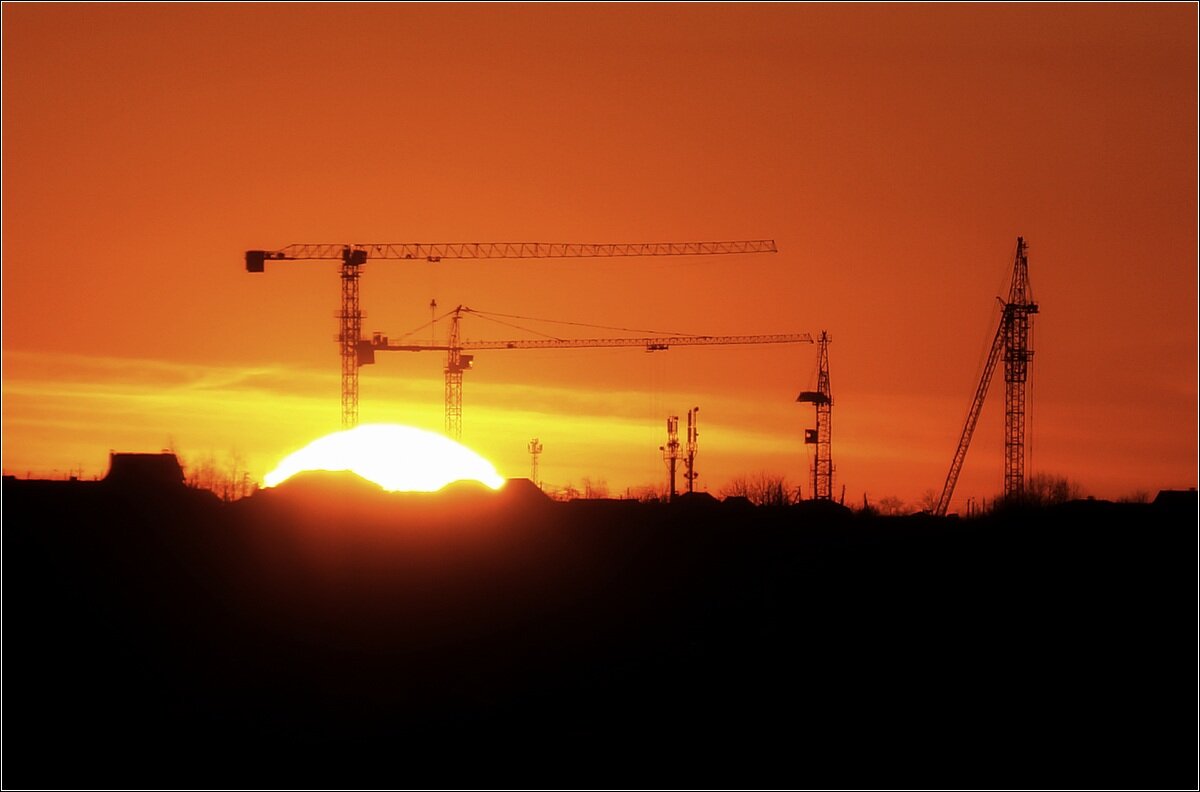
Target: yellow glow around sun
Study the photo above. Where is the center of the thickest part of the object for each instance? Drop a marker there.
(397, 458)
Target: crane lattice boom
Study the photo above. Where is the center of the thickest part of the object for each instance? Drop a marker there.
(436, 251)
(964, 440)
(652, 343)
(457, 362)
(354, 256)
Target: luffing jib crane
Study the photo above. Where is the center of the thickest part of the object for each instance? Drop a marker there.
(457, 362)
(1011, 342)
(354, 257)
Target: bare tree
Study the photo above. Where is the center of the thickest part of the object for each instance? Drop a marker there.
(761, 489)
(228, 479)
(1045, 489)
(928, 501)
(647, 493)
(595, 489)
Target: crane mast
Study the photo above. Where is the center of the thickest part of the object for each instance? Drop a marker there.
(1017, 355)
(1012, 343)
(457, 362)
(822, 398)
(354, 257)
(350, 331)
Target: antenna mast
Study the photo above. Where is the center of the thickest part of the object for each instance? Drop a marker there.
(671, 453)
(535, 451)
(690, 460)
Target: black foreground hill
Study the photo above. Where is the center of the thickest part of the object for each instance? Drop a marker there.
(325, 634)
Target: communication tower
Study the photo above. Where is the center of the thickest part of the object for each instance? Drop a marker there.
(535, 451)
(670, 453)
(690, 460)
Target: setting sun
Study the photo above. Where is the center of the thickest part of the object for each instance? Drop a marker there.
(397, 458)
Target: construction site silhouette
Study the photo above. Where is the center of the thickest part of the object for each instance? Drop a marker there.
(325, 633)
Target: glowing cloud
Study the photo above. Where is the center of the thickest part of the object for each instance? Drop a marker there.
(397, 458)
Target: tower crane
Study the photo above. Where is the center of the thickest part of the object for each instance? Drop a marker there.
(354, 258)
(822, 397)
(457, 362)
(1012, 343)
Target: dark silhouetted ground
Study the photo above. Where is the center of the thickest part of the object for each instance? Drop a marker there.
(328, 635)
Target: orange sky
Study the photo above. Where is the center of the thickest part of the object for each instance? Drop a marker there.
(894, 153)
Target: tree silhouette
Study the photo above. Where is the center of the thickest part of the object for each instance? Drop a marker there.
(761, 489)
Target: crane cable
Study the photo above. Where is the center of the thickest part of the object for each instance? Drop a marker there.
(431, 322)
(492, 316)
(515, 326)
(583, 324)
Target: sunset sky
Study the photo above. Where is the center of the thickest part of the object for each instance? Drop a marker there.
(895, 153)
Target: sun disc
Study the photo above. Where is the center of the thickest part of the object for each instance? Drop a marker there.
(397, 458)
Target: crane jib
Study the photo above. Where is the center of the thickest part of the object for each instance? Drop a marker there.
(436, 251)
(381, 343)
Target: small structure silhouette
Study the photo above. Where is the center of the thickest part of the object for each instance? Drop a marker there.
(1176, 501)
(142, 470)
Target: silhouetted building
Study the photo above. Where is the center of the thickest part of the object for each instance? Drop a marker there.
(696, 500)
(737, 502)
(1176, 501)
(524, 490)
(144, 470)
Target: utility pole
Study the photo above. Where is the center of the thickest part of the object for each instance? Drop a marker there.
(671, 453)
